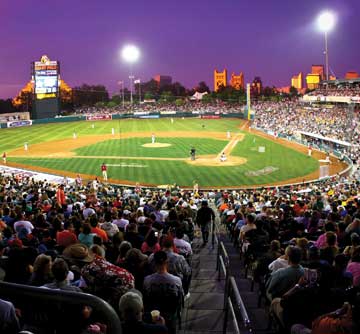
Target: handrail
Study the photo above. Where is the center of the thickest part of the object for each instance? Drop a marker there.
(239, 303)
(11, 291)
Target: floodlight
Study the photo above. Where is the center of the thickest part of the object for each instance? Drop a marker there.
(326, 21)
(130, 53)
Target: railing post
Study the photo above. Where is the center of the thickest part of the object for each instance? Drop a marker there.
(213, 233)
(226, 312)
(227, 285)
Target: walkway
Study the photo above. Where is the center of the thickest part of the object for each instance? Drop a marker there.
(203, 311)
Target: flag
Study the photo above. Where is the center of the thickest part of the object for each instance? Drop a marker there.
(137, 81)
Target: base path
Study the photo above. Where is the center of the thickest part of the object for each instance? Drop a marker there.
(64, 149)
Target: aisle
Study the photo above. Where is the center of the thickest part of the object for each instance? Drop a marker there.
(203, 311)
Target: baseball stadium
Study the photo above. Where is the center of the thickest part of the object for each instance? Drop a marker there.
(158, 206)
(253, 158)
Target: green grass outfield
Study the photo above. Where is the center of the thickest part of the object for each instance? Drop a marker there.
(286, 163)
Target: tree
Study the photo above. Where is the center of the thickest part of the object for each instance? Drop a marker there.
(6, 106)
(179, 102)
(202, 87)
(293, 91)
(88, 95)
(166, 96)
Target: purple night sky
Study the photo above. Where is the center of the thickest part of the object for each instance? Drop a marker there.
(185, 39)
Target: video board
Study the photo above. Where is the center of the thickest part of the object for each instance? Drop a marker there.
(46, 78)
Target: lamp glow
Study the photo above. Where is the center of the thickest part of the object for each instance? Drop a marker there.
(326, 21)
(130, 53)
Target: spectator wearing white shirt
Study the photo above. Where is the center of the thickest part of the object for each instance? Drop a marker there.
(88, 211)
(22, 223)
(182, 245)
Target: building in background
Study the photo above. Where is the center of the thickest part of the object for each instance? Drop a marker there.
(297, 81)
(351, 75)
(318, 69)
(313, 81)
(163, 80)
(220, 79)
(256, 86)
(237, 81)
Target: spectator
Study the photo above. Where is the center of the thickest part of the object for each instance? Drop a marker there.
(131, 310)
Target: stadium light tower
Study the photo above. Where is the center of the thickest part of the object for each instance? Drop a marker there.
(326, 22)
(130, 54)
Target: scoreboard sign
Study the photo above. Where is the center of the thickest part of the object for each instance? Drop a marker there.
(46, 78)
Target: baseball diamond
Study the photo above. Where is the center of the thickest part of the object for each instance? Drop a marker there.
(54, 149)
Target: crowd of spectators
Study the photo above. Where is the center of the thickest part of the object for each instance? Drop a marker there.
(303, 249)
(290, 117)
(132, 248)
(353, 91)
(197, 107)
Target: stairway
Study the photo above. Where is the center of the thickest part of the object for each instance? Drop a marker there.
(203, 312)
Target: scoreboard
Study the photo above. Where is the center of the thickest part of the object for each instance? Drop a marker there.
(46, 78)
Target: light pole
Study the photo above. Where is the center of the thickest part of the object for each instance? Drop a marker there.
(326, 22)
(121, 83)
(130, 54)
(138, 82)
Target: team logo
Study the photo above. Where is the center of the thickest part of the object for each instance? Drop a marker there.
(44, 59)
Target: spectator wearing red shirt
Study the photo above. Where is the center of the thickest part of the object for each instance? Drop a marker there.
(67, 236)
(60, 196)
(97, 230)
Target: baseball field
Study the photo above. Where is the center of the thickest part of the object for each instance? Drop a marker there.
(125, 146)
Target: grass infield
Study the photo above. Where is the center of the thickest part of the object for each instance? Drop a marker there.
(128, 160)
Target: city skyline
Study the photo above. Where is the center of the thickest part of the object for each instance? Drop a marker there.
(272, 40)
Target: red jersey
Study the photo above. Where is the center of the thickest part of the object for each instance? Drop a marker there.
(103, 167)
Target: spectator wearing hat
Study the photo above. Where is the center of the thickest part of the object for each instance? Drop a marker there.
(103, 278)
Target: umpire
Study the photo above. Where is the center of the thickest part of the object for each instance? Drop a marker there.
(203, 219)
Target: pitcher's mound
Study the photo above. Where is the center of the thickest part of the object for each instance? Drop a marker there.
(231, 161)
(156, 145)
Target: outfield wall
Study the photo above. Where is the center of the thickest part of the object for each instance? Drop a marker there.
(137, 115)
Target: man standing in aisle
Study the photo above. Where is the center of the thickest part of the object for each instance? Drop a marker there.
(204, 217)
(104, 171)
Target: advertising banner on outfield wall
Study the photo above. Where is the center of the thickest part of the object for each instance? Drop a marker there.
(169, 112)
(16, 124)
(149, 116)
(210, 116)
(105, 117)
(139, 113)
